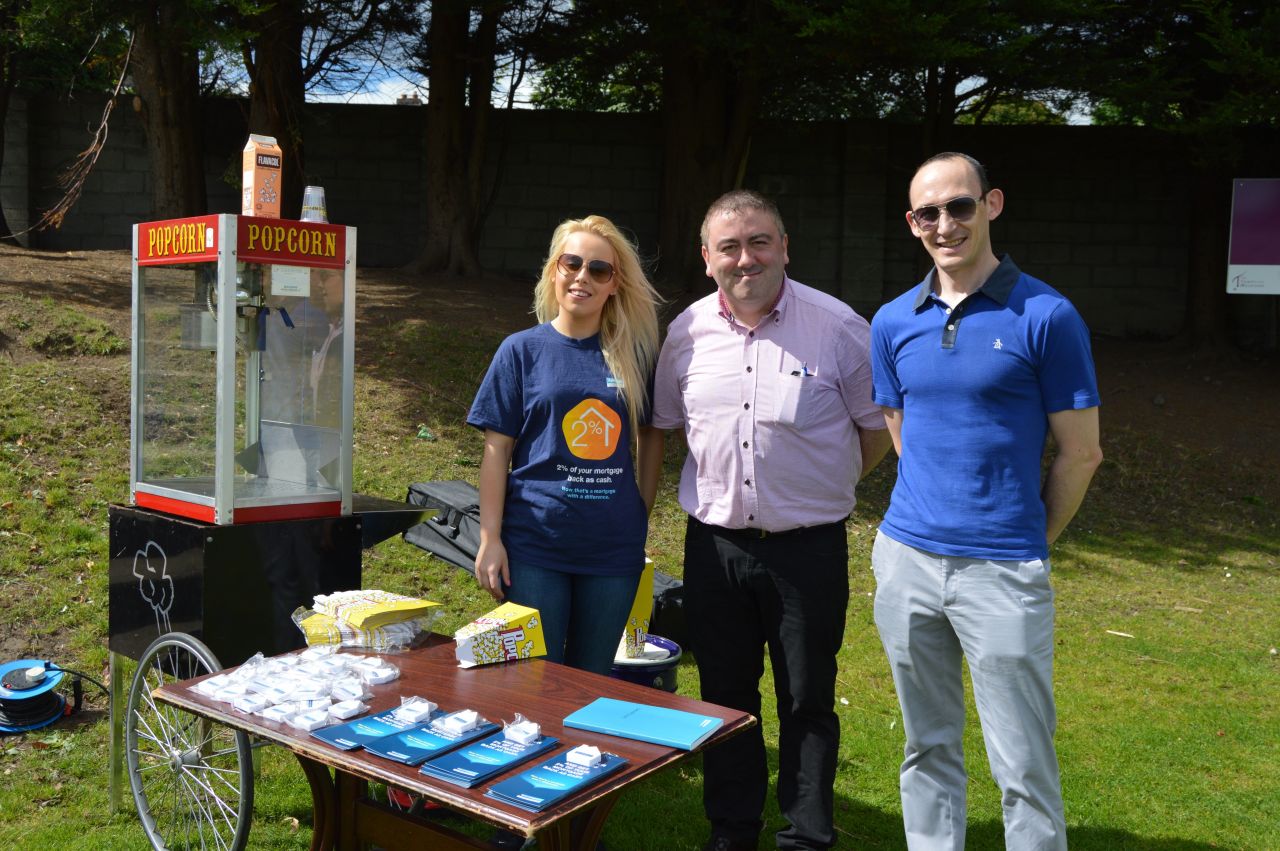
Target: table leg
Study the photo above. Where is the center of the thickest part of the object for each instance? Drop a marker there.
(580, 832)
(322, 803)
(350, 791)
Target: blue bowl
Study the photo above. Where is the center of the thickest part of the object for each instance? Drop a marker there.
(659, 673)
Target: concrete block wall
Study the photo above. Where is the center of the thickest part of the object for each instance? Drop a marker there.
(1096, 212)
(561, 165)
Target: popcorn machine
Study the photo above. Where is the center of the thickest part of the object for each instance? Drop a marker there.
(242, 369)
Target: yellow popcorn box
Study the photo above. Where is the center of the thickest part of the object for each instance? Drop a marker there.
(641, 610)
(508, 632)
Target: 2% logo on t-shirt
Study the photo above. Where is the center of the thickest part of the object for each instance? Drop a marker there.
(591, 430)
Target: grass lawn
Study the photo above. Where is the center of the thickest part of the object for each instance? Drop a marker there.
(1168, 582)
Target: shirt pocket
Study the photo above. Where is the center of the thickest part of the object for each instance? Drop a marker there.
(797, 390)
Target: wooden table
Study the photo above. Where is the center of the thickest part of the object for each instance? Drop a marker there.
(346, 818)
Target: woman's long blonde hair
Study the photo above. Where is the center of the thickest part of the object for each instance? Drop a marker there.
(629, 321)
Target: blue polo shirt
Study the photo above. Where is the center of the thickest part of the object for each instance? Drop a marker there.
(976, 385)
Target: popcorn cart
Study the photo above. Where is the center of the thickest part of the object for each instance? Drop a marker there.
(240, 481)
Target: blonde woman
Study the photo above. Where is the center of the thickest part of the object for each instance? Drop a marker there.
(562, 522)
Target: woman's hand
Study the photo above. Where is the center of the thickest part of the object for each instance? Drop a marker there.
(492, 571)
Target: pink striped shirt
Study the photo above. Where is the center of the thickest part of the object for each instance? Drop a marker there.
(771, 415)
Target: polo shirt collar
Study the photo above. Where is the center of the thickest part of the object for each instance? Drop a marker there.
(997, 287)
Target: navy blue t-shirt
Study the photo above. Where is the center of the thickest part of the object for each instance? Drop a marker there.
(976, 387)
(572, 501)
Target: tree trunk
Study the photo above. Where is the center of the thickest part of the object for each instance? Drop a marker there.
(457, 136)
(1206, 321)
(6, 94)
(166, 72)
(708, 112)
(277, 92)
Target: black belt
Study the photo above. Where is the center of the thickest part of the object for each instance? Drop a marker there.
(765, 533)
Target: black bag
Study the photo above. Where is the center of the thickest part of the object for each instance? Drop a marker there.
(453, 534)
(668, 608)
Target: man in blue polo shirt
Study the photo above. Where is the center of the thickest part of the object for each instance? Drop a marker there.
(973, 368)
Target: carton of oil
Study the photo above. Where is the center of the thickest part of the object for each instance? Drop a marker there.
(260, 186)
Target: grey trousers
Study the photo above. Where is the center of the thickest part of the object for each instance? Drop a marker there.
(930, 609)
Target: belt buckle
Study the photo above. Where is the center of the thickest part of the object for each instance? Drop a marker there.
(763, 533)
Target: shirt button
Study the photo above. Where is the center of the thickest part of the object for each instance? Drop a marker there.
(951, 327)
(751, 517)
(747, 483)
(948, 311)
(744, 444)
(751, 333)
(748, 369)
(746, 405)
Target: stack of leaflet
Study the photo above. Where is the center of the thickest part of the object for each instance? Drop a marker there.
(363, 731)
(417, 745)
(474, 764)
(658, 724)
(554, 780)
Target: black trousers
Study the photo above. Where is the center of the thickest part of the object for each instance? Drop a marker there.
(788, 593)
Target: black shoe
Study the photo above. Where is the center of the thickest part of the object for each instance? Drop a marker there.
(507, 840)
(720, 842)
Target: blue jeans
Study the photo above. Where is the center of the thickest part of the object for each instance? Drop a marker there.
(583, 615)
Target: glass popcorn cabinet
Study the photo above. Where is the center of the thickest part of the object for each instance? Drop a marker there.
(242, 374)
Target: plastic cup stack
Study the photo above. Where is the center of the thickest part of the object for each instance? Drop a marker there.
(313, 208)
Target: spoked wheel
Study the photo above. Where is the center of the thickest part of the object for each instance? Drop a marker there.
(192, 779)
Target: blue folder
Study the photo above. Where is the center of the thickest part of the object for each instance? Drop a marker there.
(674, 728)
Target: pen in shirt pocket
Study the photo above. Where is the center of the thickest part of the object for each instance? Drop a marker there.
(803, 371)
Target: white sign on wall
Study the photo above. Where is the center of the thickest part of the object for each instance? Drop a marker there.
(1253, 260)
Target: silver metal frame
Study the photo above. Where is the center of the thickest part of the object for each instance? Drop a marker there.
(224, 456)
(223, 499)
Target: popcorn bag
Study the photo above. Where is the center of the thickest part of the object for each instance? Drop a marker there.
(641, 610)
(506, 633)
(370, 608)
(369, 618)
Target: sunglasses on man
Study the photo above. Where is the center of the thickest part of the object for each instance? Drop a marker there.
(960, 209)
(599, 271)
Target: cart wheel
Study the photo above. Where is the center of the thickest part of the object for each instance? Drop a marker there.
(192, 779)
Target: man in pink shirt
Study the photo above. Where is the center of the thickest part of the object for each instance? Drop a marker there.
(771, 382)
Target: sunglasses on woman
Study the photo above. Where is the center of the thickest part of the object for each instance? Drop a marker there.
(599, 271)
(959, 209)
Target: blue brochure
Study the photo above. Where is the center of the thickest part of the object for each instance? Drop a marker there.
(421, 743)
(671, 727)
(477, 762)
(361, 731)
(552, 781)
